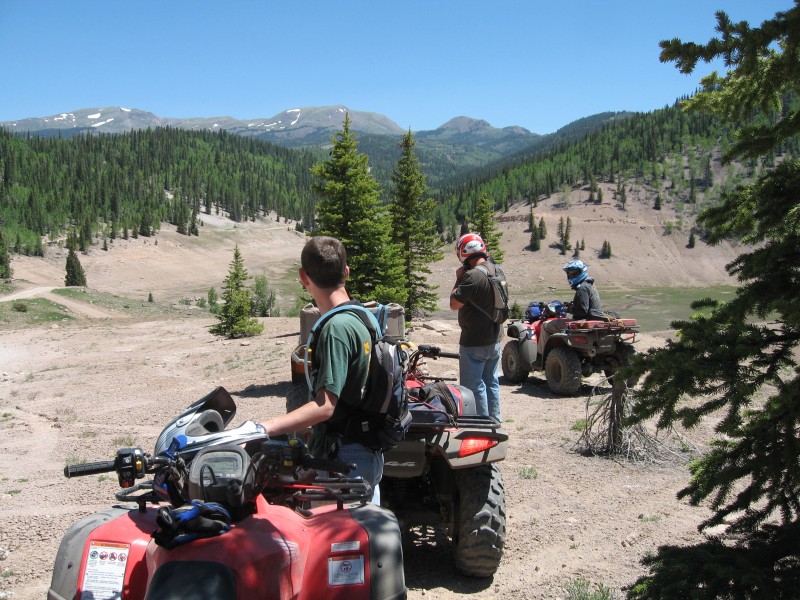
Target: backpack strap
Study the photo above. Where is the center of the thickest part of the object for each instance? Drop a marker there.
(373, 326)
(486, 272)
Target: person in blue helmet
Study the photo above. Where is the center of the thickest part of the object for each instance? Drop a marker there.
(585, 304)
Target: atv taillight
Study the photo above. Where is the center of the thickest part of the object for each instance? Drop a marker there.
(581, 339)
(470, 446)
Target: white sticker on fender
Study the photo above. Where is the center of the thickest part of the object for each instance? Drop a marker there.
(346, 546)
(105, 571)
(346, 571)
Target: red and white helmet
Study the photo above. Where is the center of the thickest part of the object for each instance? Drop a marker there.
(468, 245)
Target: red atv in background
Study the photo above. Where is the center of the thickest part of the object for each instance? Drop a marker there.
(581, 348)
(230, 515)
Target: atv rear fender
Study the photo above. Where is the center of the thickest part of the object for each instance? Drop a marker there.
(527, 341)
(473, 440)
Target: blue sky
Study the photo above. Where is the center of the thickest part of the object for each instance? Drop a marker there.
(540, 64)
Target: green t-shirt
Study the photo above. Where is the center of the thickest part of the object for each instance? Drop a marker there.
(339, 364)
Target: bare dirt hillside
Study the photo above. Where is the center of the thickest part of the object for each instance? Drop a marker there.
(111, 376)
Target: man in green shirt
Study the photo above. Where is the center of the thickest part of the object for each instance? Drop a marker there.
(339, 365)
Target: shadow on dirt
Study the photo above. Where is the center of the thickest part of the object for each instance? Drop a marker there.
(537, 388)
(262, 391)
(428, 563)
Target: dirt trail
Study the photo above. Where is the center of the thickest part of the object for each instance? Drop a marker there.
(84, 309)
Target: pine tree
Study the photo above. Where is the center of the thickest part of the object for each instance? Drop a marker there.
(350, 210)
(692, 241)
(414, 229)
(483, 224)
(735, 361)
(75, 275)
(536, 242)
(657, 203)
(542, 229)
(6, 272)
(193, 230)
(234, 314)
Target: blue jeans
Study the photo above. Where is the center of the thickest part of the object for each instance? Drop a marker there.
(479, 367)
(369, 463)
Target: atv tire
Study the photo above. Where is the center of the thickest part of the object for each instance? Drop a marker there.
(563, 371)
(514, 370)
(481, 531)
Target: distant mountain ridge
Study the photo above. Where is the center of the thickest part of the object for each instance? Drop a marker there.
(292, 124)
(460, 145)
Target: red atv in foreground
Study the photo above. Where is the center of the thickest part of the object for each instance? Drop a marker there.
(230, 515)
(445, 473)
(581, 348)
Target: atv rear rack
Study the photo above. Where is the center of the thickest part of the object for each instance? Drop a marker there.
(483, 423)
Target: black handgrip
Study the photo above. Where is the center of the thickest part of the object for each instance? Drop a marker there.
(322, 464)
(435, 352)
(104, 466)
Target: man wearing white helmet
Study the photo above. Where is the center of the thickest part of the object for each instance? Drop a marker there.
(479, 344)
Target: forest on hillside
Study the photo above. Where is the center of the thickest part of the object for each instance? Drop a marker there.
(93, 187)
(120, 185)
(671, 151)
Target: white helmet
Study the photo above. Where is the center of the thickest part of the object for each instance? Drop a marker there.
(469, 245)
(203, 424)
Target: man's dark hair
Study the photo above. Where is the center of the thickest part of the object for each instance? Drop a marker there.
(324, 260)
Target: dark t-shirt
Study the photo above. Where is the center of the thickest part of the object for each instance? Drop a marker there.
(477, 329)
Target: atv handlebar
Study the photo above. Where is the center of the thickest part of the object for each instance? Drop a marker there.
(95, 468)
(129, 465)
(435, 352)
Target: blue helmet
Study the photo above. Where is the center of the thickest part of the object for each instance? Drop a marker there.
(577, 271)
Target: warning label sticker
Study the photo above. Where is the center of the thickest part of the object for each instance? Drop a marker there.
(346, 546)
(346, 571)
(105, 571)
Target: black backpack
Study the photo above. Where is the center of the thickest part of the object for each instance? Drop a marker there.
(381, 418)
(499, 313)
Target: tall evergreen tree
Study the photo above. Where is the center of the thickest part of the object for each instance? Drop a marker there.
(542, 229)
(6, 272)
(350, 210)
(737, 360)
(234, 314)
(414, 230)
(536, 241)
(483, 223)
(75, 275)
